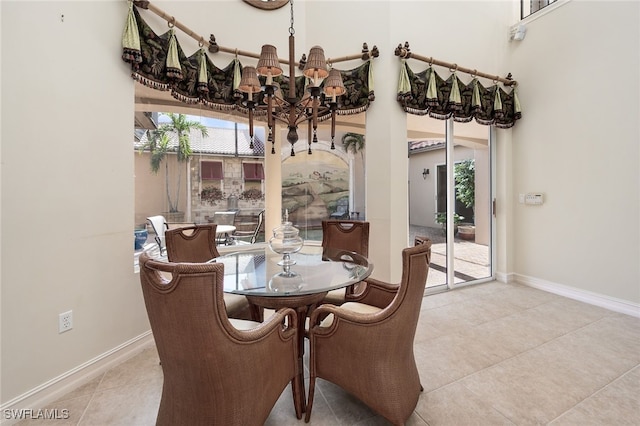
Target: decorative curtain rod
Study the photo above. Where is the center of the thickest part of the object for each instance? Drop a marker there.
(405, 53)
(213, 46)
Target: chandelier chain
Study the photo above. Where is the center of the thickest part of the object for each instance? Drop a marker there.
(292, 31)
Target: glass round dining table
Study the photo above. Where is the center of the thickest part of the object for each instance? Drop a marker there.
(256, 272)
(315, 271)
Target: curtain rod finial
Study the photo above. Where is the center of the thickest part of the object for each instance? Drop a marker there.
(213, 46)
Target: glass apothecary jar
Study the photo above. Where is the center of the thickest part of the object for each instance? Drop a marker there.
(286, 241)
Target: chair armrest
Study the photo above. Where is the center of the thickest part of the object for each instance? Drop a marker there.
(287, 329)
(375, 293)
(348, 318)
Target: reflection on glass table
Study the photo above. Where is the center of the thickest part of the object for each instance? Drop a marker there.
(257, 272)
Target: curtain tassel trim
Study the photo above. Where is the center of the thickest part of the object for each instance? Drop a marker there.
(432, 89)
(174, 69)
(429, 94)
(157, 61)
(131, 39)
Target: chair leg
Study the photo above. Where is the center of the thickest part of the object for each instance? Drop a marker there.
(312, 388)
(298, 403)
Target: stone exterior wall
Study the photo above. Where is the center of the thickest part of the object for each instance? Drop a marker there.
(232, 188)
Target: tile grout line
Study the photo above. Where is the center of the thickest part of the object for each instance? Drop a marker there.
(93, 394)
(596, 392)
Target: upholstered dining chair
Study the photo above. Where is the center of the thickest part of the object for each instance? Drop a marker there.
(351, 235)
(372, 336)
(197, 244)
(217, 371)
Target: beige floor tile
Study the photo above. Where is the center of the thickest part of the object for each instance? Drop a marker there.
(521, 296)
(68, 412)
(522, 390)
(489, 354)
(616, 404)
(455, 405)
(143, 366)
(348, 410)
(133, 404)
(452, 357)
(543, 383)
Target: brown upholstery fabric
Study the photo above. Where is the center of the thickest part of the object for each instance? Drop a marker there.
(197, 244)
(375, 350)
(214, 374)
(192, 243)
(351, 235)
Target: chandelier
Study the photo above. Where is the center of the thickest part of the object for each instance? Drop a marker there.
(289, 109)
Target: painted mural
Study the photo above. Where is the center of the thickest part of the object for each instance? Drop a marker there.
(313, 186)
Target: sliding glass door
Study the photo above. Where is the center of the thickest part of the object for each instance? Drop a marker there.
(450, 194)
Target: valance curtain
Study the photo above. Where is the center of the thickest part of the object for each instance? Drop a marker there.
(159, 62)
(427, 93)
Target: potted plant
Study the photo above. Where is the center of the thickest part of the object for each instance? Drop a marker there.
(441, 218)
(160, 143)
(353, 142)
(464, 173)
(140, 236)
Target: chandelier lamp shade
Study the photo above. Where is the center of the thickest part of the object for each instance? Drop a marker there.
(261, 92)
(291, 110)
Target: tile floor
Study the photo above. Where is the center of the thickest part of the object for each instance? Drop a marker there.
(490, 354)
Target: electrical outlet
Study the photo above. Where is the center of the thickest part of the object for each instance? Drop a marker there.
(65, 321)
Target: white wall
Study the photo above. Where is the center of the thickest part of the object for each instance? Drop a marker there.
(67, 189)
(578, 144)
(67, 106)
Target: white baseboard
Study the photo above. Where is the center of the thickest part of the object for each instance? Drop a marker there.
(507, 278)
(54, 389)
(607, 302)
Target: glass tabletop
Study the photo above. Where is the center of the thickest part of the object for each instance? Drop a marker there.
(256, 272)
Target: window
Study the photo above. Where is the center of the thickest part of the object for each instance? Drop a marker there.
(253, 174)
(212, 176)
(253, 171)
(211, 170)
(529, 7)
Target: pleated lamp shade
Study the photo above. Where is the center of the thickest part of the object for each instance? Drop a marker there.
(268, 62)
(316, 66)
(333, 85)
(249, 82)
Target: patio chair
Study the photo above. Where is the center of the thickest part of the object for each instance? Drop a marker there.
(372, 338)
(159, 225)
(217, 371)
(224, 218)
(342, 209)
(249, 237)
(351, 235)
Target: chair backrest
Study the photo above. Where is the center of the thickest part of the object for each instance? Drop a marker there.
(406, 304)
(159, 225)
(224, 218)
(209, 366)
(352, 235)
(192, 243)
(256, 231)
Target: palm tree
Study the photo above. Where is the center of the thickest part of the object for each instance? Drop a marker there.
(159, 145)
(353, 142)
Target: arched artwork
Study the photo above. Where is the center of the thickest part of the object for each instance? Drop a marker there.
(313, 186)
